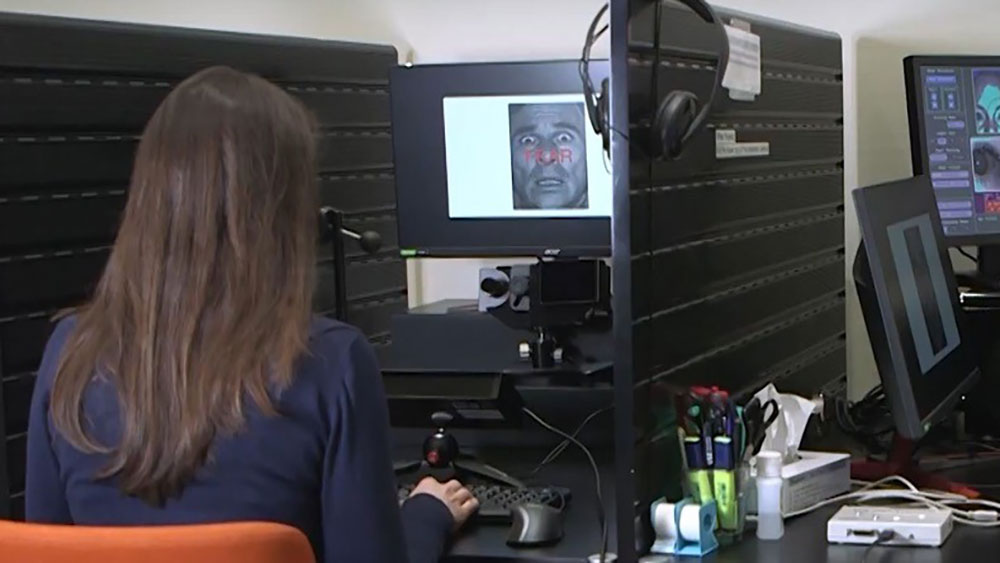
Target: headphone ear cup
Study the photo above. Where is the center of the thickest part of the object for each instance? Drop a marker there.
(674, 118)
(604, 111)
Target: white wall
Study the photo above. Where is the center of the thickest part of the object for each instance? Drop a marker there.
(359, 20)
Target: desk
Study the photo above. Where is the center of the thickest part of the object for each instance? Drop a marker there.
(805, 542)
(488, 543)
(805, 539)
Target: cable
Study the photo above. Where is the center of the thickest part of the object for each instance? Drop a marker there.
(869, 420)
(967, 254)
(885, 536)
(988, 516)
(597, 118)
(557, 451)
(599, 33)
(876, 393)
(984, 446)
(601, 520)
(596, 112)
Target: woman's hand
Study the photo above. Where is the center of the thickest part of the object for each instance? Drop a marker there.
(453, 494)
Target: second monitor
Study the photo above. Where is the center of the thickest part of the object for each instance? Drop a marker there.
(910, 303)
(498, 160)
(954, 110)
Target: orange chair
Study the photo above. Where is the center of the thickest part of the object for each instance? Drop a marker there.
(238, 542)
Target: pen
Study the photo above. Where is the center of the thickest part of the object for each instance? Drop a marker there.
(721, 407)
(705, 430)
(693, 419)
(700, 396)
(724, 481)
(731, 419)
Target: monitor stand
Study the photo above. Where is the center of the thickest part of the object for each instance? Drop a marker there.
(987, 276)
(901, 462)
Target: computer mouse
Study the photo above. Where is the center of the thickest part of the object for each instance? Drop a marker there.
(535, 524)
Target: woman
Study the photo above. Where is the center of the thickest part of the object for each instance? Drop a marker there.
(196, 386)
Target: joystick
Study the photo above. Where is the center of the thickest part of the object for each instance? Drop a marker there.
(440, 448)
(443, 460)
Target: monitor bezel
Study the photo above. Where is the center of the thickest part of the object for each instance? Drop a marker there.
(918, 141)
(894, 364)
(413, 246)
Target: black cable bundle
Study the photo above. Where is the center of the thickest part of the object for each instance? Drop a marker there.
(868, 420)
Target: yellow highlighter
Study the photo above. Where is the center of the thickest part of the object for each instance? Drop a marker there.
(698, 477)
(724, 481)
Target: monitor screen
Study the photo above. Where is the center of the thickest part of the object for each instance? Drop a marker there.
(498, 160)
(954, 105)
(910, 303)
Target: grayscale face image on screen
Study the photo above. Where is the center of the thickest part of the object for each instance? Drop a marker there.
(548, 156)
(524, 156)
(925, 291)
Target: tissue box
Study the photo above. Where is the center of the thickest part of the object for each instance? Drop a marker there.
(815, 477)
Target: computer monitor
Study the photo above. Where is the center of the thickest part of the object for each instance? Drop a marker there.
(498, 159)
(910, 303)
(954, 111)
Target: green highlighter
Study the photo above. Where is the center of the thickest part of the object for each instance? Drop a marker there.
(724, 479)
(697, 474)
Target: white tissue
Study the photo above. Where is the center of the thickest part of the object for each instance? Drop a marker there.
(785, 435)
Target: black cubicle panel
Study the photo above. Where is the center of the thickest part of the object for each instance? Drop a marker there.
(74, 97)
(733, 267)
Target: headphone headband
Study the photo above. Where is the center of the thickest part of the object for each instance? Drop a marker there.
(708, 14)
(679, 115)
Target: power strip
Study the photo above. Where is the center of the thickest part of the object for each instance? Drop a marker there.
(925, 527)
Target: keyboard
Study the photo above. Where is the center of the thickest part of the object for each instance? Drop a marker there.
(496, 501)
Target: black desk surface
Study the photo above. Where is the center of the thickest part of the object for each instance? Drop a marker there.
(804, 540)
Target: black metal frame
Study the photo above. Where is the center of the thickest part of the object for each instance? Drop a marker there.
(621, 273)
(426, 228)
(707, 293)
(4, 478)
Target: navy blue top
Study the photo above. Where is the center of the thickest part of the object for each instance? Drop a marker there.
(322, 466)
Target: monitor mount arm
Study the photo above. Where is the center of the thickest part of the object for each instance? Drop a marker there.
(333, 231)
(443, 459)
(987, 268)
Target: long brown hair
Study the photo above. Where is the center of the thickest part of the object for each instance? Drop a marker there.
(204, 304)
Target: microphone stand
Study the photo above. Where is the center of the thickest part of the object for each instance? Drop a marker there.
(333, 231)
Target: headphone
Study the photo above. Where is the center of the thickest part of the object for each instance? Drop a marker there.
(680, 114)
(596, 102)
